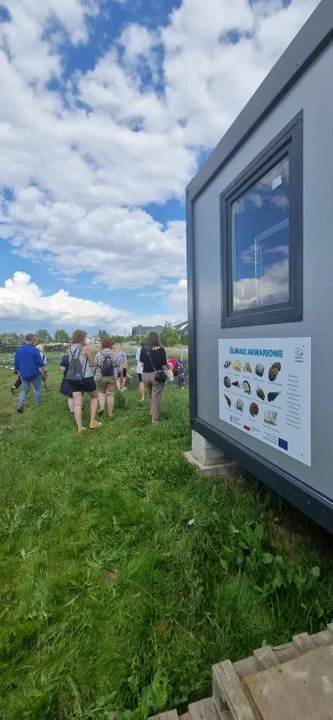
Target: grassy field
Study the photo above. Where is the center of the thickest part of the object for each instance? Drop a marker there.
(124, 576)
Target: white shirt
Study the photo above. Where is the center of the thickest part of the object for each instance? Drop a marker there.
(43, 357)
(139, 365)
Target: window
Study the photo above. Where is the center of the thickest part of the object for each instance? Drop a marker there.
(262, 244)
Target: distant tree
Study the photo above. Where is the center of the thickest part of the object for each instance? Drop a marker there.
(11, 335)
(184, 339)
(169, 336)
(118, 339)
(102, 334)
(42, 336)
(61, 336)
(140, 340)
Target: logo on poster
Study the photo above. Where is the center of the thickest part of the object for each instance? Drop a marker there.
(299, 354)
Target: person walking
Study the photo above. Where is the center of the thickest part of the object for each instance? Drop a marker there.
(28, 364)
(177, 367)
(80, 377)
(17, 383)
(123, 359)
(153, 358)
(139, 368)
(65, 388)
(44, 372)
(107, 371)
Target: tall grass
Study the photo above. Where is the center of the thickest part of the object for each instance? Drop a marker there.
(111, 600)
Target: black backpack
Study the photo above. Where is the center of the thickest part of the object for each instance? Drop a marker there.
(107, 368)
(75, 370)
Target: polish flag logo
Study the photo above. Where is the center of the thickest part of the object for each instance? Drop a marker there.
(246, 427)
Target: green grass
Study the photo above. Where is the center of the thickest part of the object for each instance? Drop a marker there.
(110, 599)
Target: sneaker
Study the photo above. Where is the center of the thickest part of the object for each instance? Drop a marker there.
(83, 429)
(142, 399)
(20, 409)
(12, 389)
(94, 425)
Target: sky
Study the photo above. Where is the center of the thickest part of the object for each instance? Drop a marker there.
(107, 110)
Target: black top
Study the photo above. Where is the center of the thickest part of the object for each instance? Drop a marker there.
(158, 357)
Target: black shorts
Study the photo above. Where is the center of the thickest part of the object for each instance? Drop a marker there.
(140, 377)
(85, 385)
(124, 372)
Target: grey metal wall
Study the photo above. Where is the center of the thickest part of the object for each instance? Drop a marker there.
(313, 94)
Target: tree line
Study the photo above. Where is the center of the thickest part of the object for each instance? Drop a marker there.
(169, 337)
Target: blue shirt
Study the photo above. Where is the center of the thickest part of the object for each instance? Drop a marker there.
(27, 361)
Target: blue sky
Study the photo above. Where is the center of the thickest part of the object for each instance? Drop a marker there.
(107, 110)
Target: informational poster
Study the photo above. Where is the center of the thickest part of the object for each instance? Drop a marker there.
(265, 391)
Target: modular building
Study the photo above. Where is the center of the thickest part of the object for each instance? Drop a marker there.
(260, 272)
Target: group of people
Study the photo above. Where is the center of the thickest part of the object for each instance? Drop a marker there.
(99, 376)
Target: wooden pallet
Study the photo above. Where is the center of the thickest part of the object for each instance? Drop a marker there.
(230, 698)
(229, 689)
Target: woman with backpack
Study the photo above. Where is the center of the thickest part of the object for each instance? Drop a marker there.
(153, 359)
(107, 371)
(65, 388)
(80, 377)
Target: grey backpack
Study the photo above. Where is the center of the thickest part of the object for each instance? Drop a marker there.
(75, 370)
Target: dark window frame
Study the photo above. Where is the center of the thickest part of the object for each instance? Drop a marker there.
(289, 142)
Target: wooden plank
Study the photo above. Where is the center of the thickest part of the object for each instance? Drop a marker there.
(203, 710)
(265, 658)
(304, 642)
(246, 667)
(324, 637)
(301, 689)
(170, 715)
(286, 652)
(227, 686)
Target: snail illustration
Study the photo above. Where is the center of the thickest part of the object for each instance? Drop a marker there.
(260, 370)
(272, 396)
(273, 373)
(254, 409)
(261, 393)
(270, 417)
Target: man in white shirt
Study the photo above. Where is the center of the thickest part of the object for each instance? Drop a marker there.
(139, 368)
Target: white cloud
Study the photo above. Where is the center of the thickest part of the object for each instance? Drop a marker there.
(123, 247)
(274, 287)
(22, 300)
(84, 162)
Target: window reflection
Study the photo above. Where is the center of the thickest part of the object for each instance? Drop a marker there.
(260, 242)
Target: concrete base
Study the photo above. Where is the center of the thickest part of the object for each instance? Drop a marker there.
(227, 468)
